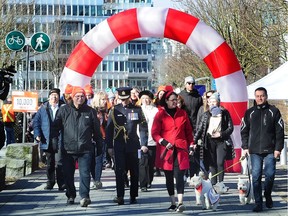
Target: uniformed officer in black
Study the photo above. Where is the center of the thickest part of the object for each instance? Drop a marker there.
(123, 142)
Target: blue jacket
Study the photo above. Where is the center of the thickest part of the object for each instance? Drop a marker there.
(42, 123)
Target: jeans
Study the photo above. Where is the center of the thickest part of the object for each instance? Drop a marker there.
(269, 172)
(84, 162)
(10, 136)
(97, 164)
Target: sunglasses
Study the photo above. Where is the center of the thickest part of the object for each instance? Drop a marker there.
(189, 83)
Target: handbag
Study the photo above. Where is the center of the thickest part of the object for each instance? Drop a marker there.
(230, 151)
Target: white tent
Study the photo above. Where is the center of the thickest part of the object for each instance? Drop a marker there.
(275, 82)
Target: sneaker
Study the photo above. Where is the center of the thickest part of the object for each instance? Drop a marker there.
(119, 200)
(180, 208)
(97, 185)
(257, 208)
(269, 201)
(85, 202)
(172, 208)
(70, 201)
(144, 189)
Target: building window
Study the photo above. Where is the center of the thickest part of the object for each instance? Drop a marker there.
(81, 10)
(86, 10)
(37, 9)
(44, 10)
(50, 9)
(32, 65)
(68, 10)
(74, 10)
(116, 68)
(93, 11)
(62, 9)
(56, 10)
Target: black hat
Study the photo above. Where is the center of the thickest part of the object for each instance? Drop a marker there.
(146, 92)
(54, 90)
(124, 92)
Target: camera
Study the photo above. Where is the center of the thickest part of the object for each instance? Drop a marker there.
(6, 75)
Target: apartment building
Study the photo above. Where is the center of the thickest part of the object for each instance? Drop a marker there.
(66, 22)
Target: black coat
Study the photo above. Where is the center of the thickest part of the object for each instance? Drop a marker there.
(126, 118)
(262, 129)
(193, 101)
(226, 127)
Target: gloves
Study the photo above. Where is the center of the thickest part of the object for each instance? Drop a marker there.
(164, 142)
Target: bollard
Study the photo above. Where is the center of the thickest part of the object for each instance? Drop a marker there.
(283, 156)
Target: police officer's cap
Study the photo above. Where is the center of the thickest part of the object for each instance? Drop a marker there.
(146, 92)
(124, 92)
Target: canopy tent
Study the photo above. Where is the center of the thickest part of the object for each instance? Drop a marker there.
(275, 82)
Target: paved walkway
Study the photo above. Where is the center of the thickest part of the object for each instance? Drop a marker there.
(28, 197)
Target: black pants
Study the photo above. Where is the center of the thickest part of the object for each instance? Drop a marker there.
(146, 167)
(216, 154)
(126, 161)
(54, 163)
(179, 176)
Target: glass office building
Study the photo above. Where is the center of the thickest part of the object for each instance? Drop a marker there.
(66, 22)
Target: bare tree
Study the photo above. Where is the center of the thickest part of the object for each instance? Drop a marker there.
(255, 30)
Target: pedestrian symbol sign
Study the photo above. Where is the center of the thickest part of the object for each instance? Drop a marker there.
(40, 42)
(15, 40)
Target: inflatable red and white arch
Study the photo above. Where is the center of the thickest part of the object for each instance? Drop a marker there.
(172, 24)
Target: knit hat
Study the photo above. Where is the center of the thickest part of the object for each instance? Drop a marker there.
(189, 79)
(88, 89)
(161, 88)
(68, 89)
(77, 89)
(111, 95)
(54, 90)
(215, 96)
(168, 88)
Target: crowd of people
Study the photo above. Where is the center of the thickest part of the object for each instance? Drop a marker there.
(138, 133)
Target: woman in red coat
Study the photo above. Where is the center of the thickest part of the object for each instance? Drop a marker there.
(173, 133)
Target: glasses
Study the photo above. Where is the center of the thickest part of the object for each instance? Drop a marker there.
(173, 100)
(189, 83)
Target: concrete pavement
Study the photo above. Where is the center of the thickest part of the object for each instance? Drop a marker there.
(28, 197)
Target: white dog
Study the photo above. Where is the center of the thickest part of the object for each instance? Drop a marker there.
(221, 188)
(205, 194)
(245, 191)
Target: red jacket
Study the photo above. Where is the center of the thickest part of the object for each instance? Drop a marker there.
(178, 132)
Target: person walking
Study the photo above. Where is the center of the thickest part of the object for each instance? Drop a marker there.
(123, 142)
(8, 118)
(172, 131)
(148, 153)
(193, 102)
(262, 132)
(80, 127)
(43, 124)
(99, 103)
(215, 127)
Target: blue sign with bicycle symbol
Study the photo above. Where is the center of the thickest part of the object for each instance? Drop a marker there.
(15, 40)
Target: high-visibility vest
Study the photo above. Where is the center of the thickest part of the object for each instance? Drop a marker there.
(8, 114)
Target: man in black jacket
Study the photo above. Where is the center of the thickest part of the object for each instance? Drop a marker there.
(262, 132)
(193, 101)
(80, 126)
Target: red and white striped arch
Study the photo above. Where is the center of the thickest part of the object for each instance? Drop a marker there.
(164, 23)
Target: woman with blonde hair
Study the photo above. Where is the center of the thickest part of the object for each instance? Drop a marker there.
(99, 103)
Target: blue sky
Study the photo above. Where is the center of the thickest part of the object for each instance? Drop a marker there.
(163, 3)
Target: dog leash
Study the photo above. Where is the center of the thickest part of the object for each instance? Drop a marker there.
(249, 190)
(240, 160)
